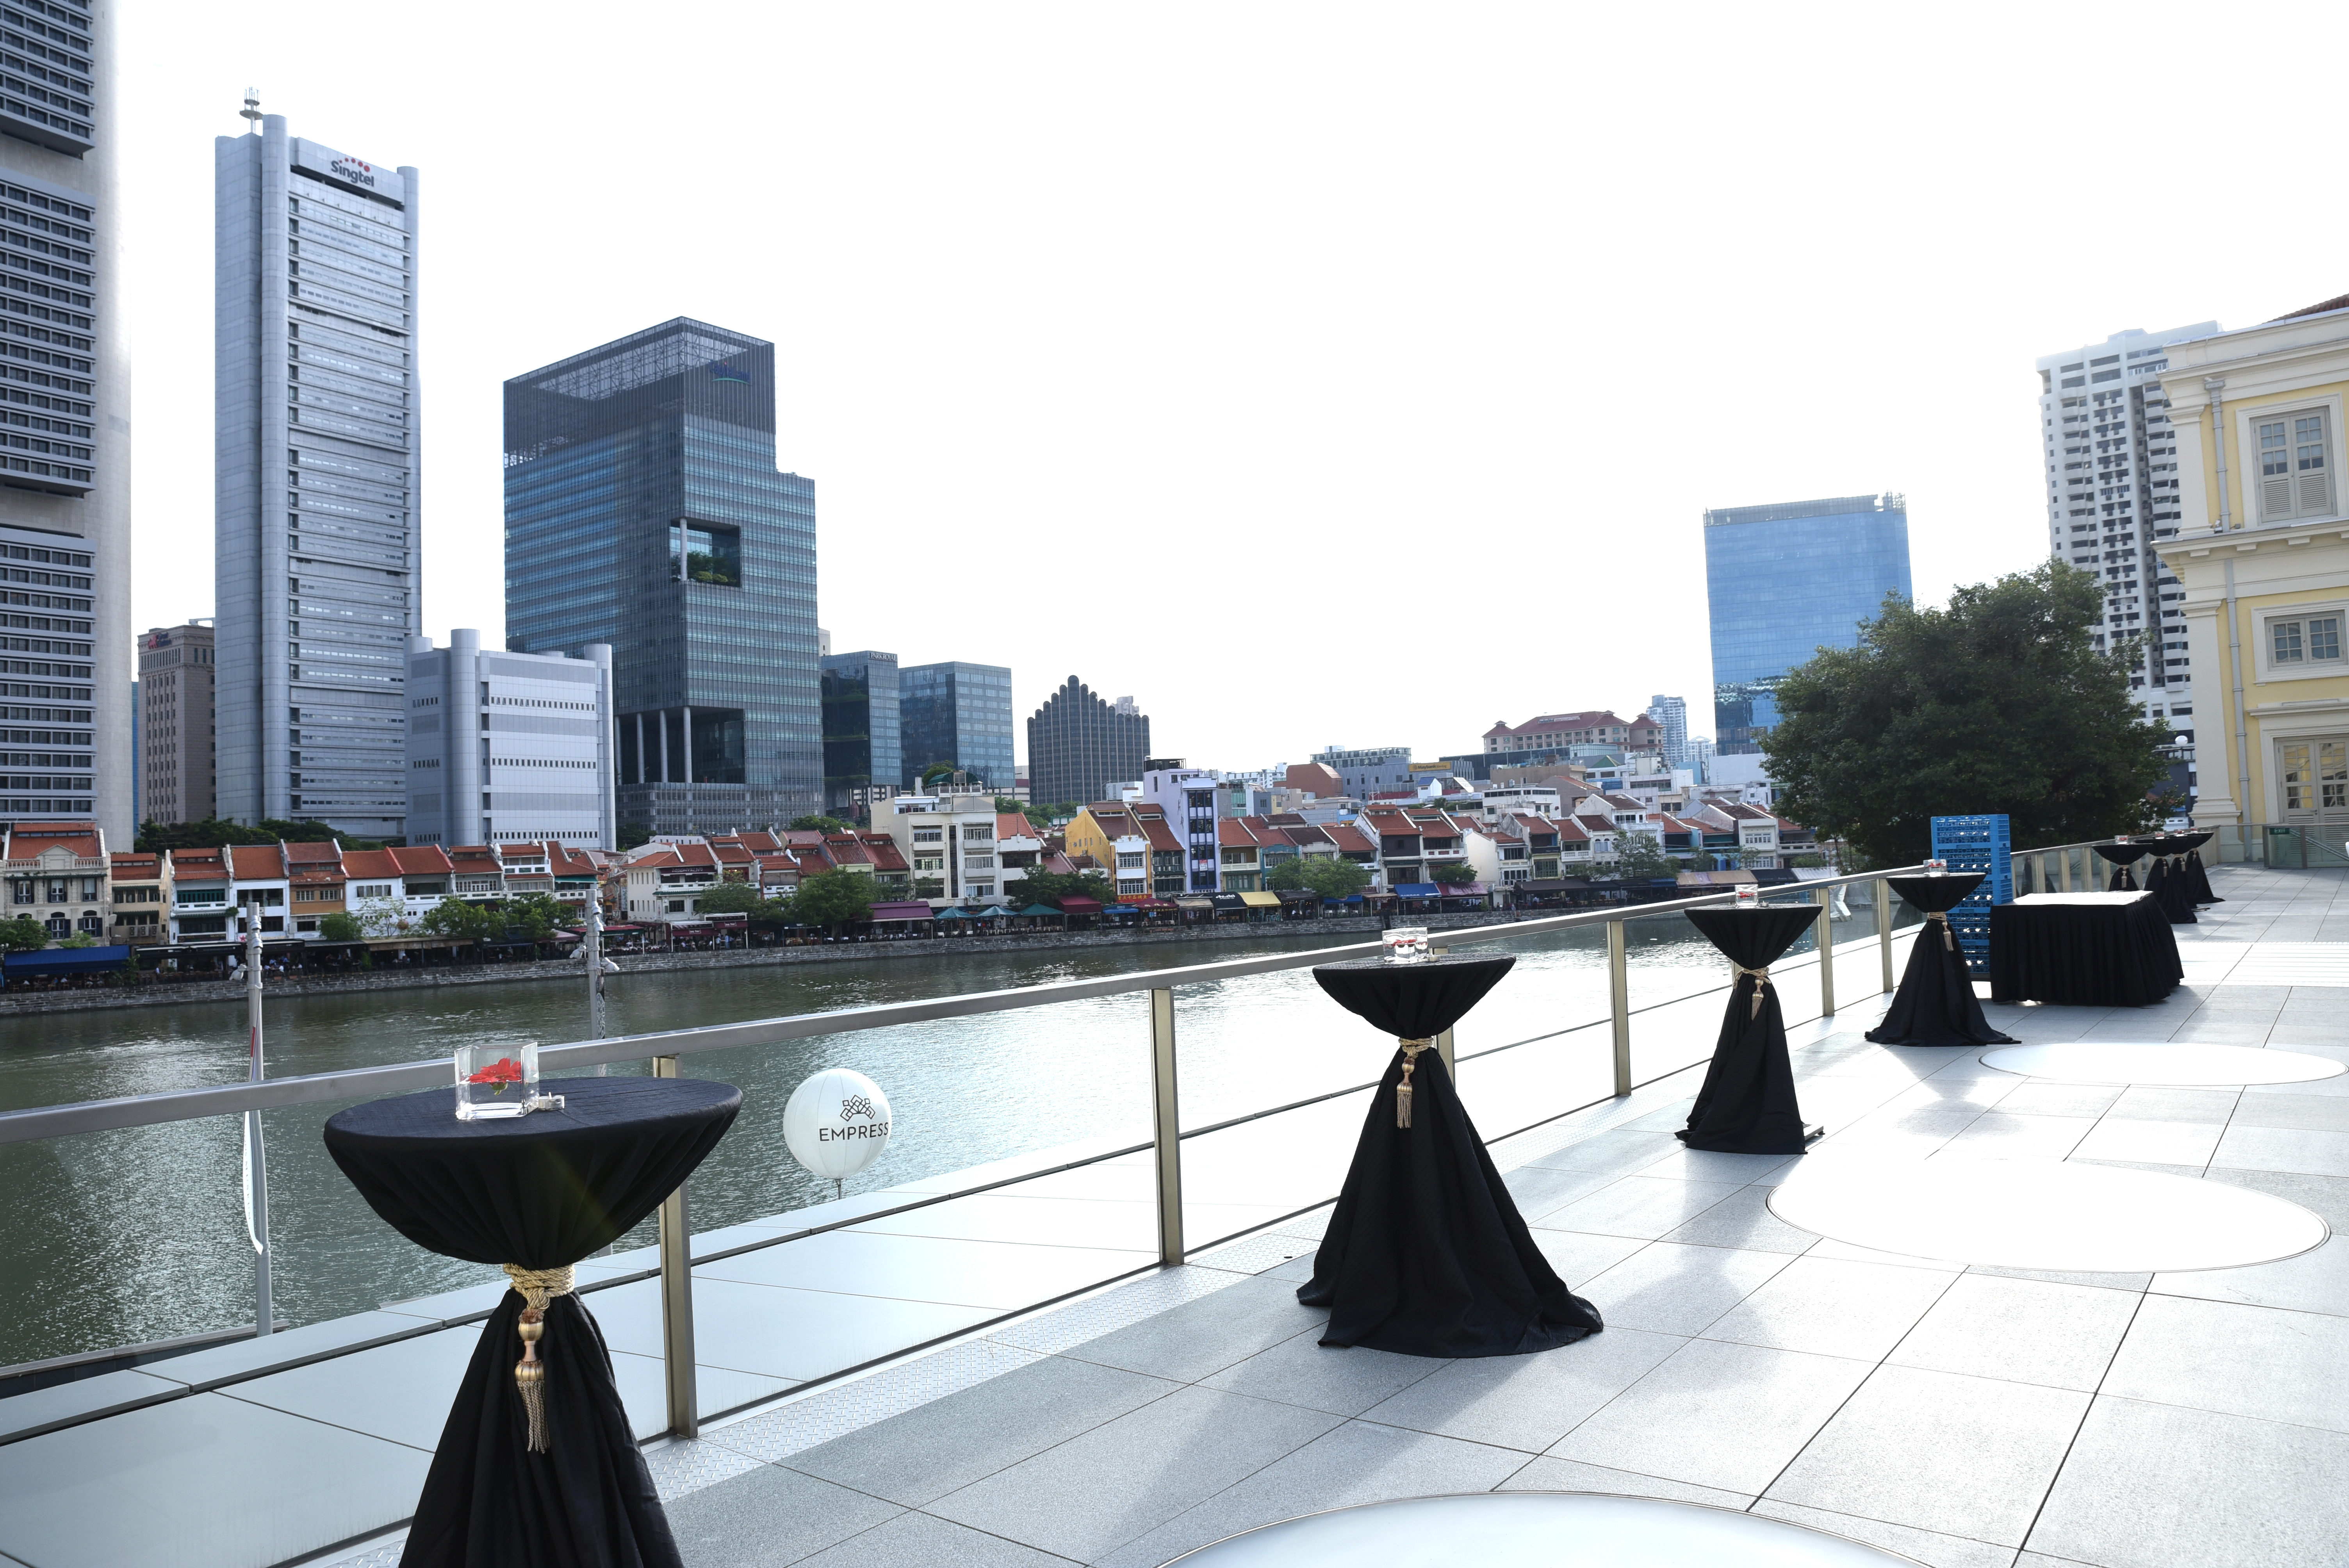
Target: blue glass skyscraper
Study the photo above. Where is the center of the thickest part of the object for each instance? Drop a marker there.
(644, 510)
(1783, 581)
(960, 714)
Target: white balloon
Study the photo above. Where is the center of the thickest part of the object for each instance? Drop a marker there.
(837, 1123)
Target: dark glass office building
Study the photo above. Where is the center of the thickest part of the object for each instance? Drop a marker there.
(861, 763)
(960, 714)
(644, 510)
(1078, 745)
(1784, 581)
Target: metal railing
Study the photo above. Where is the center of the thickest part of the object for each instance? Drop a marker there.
(665, 1050)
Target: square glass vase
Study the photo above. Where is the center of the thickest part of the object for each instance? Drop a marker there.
(496, 1081)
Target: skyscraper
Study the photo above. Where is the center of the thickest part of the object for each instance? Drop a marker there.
(1079, 744)
(956, 713)
(316, 527)
(65, 419)
(509, 748)
(861, 758)
(1671, 714)
(2112, 492)
(644, 510)
(1783, 581)
(175, 723)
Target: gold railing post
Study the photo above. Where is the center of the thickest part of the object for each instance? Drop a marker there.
(677, 1300)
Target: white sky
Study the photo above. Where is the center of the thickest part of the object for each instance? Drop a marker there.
(1312, 373)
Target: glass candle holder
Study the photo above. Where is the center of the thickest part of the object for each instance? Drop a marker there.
(496, 1081)
(1937, 868)
(1749, 897)
(1407, 944)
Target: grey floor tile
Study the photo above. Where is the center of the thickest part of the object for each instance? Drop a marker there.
(1644, 1206)
(2256, 1361)
(1668, 1288)
(1201, 1337)
(1998, 1136)
(1710, 1165)
(1830, 1307)
(2164, 1142)
(2138, 1492)
(1356, 1464)
(1538, 1189)
(2134, 1284)
(2325, 1196)
(921, 1540)
(1962, 1456)
(1001, 1275)
(932, 1450)
(2316, 1281)
(2309, 1152)
(1578, 1257)
(1081, 1500)
(1297, 1270)
(87, 1397)
(2041, 1098)
(2027, 1331)
(1928, 1547)
(2323, 1113)
(105, 1494)
(2155, 1103)
(1723, 1415)
(1343, 1382)
(400, 1391)
(1743, 1220)
(1619, 1150)
(1526, 1402)
(1546, 1474)
(768, 1517)
(239, 1358)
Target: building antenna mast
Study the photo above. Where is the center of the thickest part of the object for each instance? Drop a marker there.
(252, 109)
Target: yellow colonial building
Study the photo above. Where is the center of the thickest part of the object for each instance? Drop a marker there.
(2261, 559)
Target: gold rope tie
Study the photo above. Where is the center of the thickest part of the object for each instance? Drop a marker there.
(1761, 984)
(1948, 941)
(1411, 1049)
(536, 1287)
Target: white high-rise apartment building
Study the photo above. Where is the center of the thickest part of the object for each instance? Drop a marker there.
(2112, 492)
(65, 426)
(509, 748)
(316, 541)
(1671, 714)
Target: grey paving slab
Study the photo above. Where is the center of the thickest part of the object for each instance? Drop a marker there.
(1930, 1547)
(2255, 1361)
(766, 1517)
(1341, 1381)
(2039, 1097)
(1538, 1189)
(1201, 1337)
(2307, 1151)
(2026, 1331)
(400, 1392)
(1547, 1474)
(643, 1384)
(999, 1275)
(2159, 1103)
(1620, 1150)
(772, 1331)
(2158, 1486)
(2163, 1142)
(1743, 1220)
(1643, 1206)
(205, 1368)
(1996, 1135)
(2133, 1283)
(1670, 1288)
(1081, 1500)
(928, 1451)
(1717, 1415)
(1960, 1456)
(90, 1397)
(448, 1306)
(2324, 1196)
(1358, 1463)
(920, 1540)
(1711, 1165)
(2315, 1281)
(1831, 1307)
(2325, 1113)
(1526, 1402)
(175, 1484)
(1578, 1257)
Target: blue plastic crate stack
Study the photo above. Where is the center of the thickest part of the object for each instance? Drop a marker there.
(1976, 844)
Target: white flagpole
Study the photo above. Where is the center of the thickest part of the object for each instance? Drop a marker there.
(256, 1170)
(595, 967)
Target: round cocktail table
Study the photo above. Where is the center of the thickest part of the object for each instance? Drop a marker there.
(1936, 1005)
(1747, 1105)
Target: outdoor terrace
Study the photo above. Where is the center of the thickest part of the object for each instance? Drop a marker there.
(1962, 1416)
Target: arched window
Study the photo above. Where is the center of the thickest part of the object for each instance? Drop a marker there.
(91, 923)
(59, 926)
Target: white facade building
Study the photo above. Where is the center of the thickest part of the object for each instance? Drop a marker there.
(1671, 714)
(509, 748)
(2112, 493)
(1188, 796)
(949, 843)
(316, 471)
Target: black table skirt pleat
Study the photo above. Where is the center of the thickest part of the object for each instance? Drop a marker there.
(1747, 1105)
(1936, 1005)
(2089, 955)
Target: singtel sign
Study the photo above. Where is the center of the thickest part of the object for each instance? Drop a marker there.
(355, 170)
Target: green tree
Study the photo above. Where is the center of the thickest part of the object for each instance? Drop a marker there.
(834, 898)
(1051, 887)
(213, 832)
(2000, 703)
(633, 836)
(341, 926)
(465, 922)
(731, 898)
(1450, 872)
(1637, 855)
(1330, 876)
(534, 915)
(815, 824)
(80, 939)
(24, 935)
(936, 771)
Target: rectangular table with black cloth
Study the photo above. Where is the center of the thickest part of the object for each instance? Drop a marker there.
(534, 1192)
(1425, 1254)
(2083, 950)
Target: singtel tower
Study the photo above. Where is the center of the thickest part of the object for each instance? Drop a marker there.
(64, 425)
(315, 469)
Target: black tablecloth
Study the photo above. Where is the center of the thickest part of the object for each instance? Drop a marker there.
(1426, 1253)
(539, 1191)
(2167, 883)
(2197, 879)
(1936, 1005)
(2106, 951)
(1747, 1105)
(2124, 857)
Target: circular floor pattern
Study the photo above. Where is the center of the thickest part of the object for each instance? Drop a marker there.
(2042, 1215)
(1539, 1530)
(2173, 1066)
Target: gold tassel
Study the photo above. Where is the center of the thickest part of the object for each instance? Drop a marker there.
(1411, 1049)
(1948, 940)
(536, 1287)
(1761, 979)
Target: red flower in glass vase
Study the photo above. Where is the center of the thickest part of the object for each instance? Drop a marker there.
(502, 1072)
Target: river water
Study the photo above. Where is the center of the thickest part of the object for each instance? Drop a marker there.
(121, 1237)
